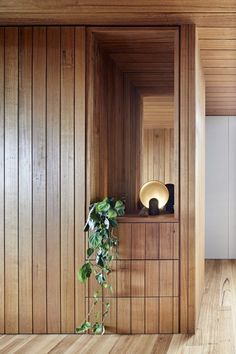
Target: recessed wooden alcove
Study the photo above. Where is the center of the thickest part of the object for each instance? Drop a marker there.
(133, 90)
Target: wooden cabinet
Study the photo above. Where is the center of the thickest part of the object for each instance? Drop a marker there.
(145, 278)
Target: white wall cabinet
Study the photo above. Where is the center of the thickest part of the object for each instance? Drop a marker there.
(221, 187)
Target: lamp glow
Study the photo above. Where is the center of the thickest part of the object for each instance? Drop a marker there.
(154, 189)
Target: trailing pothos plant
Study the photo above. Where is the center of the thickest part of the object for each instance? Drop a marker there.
(102, 248)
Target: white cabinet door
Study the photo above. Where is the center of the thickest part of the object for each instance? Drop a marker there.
(232, 187)
(217, 187)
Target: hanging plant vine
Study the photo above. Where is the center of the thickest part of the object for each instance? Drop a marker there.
(102, 248)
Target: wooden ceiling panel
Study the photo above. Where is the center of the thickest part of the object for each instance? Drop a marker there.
(218, 63)
(218, 53)
(119, 12)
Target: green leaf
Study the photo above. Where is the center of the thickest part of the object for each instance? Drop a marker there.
(103, 207)
(84, 327)
(111, 214)
(95, 240)
(119, 204)
(90, 252)
(84, 272)
(120, 207)
(98, 328)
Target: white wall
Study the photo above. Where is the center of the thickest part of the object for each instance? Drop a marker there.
(221, 187)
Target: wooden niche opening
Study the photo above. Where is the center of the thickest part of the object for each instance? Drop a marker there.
(132, 111)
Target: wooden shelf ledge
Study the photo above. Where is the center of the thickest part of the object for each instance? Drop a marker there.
(133, 218)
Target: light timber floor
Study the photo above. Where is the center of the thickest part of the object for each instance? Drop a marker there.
(216, 332)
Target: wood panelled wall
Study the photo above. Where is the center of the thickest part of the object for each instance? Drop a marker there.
(114, 122)
(191, 179)
(200, 176)
(42, 171)
(158, 155)
(42, 178)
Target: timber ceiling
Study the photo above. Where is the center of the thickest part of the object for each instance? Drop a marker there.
(123, 12)
(218, 54)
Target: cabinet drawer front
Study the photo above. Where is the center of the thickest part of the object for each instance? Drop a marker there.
(148, 241)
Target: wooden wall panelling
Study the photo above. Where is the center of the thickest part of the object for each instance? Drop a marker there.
(158, 162)
(11, 180)
(127, 145)
(80, 169)
(39, 180)
(137, 315)
(152, 278)
(184, 178)
(25, 179)
(43, 179)
(152, 307)
(124, 236)
(123, 315)
(193, 159)
(191, 156)
(2, 175)
(111, 319)
(137, 278)
(177, 119)
(168, 310)
(152, 241)
(67, 179)
(200, 178)
(169, 241)
(53, 180)
(123, 286)
(138, 239)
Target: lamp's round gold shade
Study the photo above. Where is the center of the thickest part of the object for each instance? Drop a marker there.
(154, 189)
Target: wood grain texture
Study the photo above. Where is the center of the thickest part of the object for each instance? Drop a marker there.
(119, 12)
(39, 180)
(137, 94)
(25, 180)
(140, 284)
(200, 177)
(80, 169)
(218, 52)
(158, 155)
(191, 180)
(53, 180)
(67, 179)
(11, 180)
(42, 143)
(184, 178)
(216, 326)
(2, 176)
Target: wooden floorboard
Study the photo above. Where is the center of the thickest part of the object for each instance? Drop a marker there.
(215, 334)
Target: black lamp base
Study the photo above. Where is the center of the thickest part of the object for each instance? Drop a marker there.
(153, 207)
